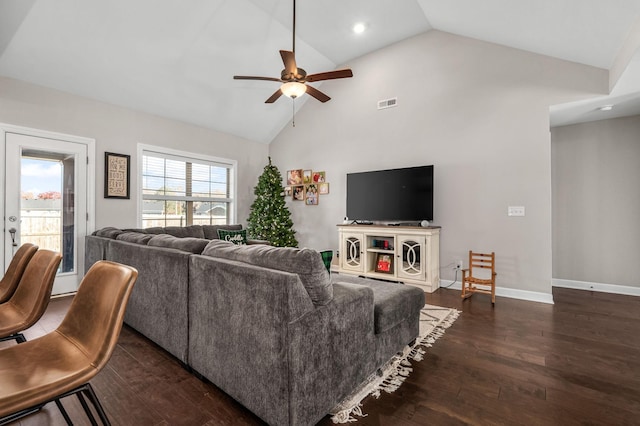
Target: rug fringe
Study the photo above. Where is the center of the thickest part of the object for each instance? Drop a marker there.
(393, 374)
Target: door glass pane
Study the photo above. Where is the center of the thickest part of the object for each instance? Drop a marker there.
(46, 204)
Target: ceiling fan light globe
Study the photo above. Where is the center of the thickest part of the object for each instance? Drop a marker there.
(293, 89)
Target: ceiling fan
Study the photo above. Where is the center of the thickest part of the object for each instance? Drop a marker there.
(294, 80)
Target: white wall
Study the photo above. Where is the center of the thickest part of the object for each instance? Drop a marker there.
(119, 130)
(596, 202)
(477, 111)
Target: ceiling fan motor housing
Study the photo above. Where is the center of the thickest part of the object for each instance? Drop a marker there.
(300, 75)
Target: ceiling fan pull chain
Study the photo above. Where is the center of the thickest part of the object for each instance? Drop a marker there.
(293, 102)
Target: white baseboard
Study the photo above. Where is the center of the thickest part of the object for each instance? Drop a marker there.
(512, 293)
(605, 288)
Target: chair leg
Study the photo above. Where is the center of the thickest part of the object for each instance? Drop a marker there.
(96, 403)
(465, 292)
(63, 412)
(86, 409)
(88, 392)
(493, 288)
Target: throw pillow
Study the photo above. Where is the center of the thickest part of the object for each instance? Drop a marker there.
(235, 237)
(327, 257)
(134, 237)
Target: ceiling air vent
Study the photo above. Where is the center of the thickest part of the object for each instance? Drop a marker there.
(388, 103)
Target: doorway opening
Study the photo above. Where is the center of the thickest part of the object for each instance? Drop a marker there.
(48, 197)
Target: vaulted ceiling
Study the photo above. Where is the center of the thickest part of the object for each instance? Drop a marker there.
(176, 58)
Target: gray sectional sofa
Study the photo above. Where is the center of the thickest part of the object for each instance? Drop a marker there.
(267, 325)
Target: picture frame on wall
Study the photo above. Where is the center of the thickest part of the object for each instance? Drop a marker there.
(306, 176)
(298, 193)
(117, 175)
(311, 195)
(287, 191)
(319, 177)
(294, 177)
(323, 188)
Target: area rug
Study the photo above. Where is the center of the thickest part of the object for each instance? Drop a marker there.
(434, 320)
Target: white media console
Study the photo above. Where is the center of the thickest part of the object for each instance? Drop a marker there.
(409, 254)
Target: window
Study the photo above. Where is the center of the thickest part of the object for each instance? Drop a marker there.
(181, 189)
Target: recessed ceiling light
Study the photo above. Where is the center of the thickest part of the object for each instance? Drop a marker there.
(359, 28)
(606, 108)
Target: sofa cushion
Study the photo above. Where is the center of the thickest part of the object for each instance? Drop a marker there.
(108, 232)
(134, 237)
(393, 302)
(211, 231)
(235, 237)
(306, 263)
(188, 244)
(155, 230)
(194, 231)
(140, 230)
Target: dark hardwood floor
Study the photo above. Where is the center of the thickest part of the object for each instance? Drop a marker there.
(573, 363)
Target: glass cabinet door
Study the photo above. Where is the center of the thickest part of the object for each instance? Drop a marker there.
(351, 255)
(411, 252)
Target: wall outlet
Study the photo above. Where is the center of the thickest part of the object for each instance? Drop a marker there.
(458, 265)
(515, 211)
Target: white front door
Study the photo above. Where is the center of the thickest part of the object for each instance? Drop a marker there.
(45, 200)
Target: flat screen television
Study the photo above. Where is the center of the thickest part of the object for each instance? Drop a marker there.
(396, 195)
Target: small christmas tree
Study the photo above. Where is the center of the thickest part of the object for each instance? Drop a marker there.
(270, 219)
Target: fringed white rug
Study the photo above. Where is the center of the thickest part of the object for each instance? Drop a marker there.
(434, 320)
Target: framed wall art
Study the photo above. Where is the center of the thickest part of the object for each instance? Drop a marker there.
(298, 193)
(323, 188)
(306, 185)
(384, 263)
(311, 195)
(306, 176)
(116, 175)
(294, 177)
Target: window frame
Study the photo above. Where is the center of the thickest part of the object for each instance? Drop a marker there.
(169, 153)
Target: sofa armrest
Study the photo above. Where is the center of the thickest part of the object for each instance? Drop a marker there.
(158, 304)
(331, 352)
(238, 330)
(95, 250)
(297, 360)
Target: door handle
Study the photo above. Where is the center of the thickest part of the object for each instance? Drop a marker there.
(13, 231)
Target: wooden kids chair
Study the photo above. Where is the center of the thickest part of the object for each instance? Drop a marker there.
(469, 280)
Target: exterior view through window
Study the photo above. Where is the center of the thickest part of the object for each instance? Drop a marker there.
(179, 191)
(46, 204)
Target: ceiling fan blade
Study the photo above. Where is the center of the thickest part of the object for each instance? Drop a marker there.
(289, 60)
(274, 97)
(248, 77)
(330, 75)
(317, 94)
